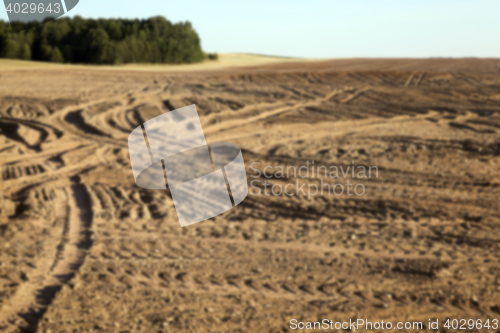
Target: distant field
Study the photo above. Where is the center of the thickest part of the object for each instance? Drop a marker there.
(225, 60)
(21, 64)
(283, 64)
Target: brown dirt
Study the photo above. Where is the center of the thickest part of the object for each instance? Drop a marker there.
(83, 249)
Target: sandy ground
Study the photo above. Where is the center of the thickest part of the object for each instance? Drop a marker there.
(83, 249)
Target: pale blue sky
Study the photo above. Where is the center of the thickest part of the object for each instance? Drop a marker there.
(326, 28)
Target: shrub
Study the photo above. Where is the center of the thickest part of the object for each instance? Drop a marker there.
(212, 56)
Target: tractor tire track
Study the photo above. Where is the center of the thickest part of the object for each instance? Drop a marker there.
(25, 309)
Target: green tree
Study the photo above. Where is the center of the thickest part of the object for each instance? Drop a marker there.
(25, 52)
(10, 48)
(102, 41)
(56, 55)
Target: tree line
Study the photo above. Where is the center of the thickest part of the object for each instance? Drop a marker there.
(102, 41)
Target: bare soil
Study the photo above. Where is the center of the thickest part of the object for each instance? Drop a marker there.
(83, 249)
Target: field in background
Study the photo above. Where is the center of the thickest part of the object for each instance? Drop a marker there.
(225, 60)
(83, 249)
